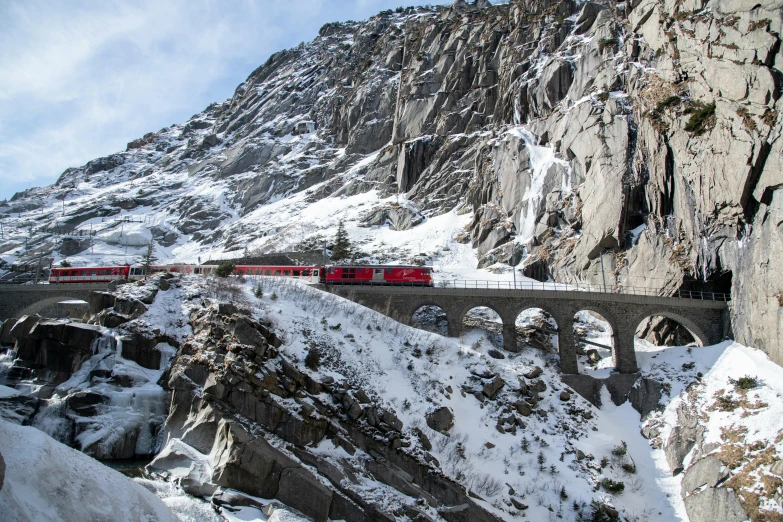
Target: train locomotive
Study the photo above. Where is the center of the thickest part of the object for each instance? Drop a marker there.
(389, 275)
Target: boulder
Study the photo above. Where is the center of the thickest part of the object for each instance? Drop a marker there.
(423, 439)
(492, 387)
(186, 466)
(534, 373)
(248, 463)
(21, 329)
(715, 504)
(645, 395)
(129, 306)
(141, 349)
(565, 396)
(85, 403)
(111, 319)
(537, 386)
(708, 470)
(495, 354)
(99, 301)
(687, 433)
(55, 345)
(245, 332)
(223, 497)
(391, 420)
(523, 408)
(440, 419)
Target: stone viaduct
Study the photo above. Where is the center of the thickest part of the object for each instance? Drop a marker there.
(705, 319)
(19, 300)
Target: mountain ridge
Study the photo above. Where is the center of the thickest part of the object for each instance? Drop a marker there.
(644, 136)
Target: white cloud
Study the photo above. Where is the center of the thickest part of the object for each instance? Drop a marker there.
(80, 79)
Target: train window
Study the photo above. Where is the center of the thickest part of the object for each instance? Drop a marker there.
(286, 272)
(315, 272)
(101, 272)
(197, 270)
(277, 272)
(267, 272)
(297, 273)
(305, 272)
(240, 272)
(388, 270)
(378, 271)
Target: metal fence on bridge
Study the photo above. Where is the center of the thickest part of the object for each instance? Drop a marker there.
(562, 287)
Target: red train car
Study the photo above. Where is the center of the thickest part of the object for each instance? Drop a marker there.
(379, 275)
(93, 274)
(311, 274)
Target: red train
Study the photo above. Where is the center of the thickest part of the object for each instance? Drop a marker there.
(330, 274)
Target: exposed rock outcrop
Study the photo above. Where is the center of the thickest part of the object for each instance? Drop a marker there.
(245, 417)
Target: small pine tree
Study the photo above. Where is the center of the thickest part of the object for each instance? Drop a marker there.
(148, 258)
(541, 461)
(313, 359)
(224, 270)
(342, 247)
(258, 292)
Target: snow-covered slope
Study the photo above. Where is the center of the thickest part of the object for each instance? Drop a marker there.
(722, 428)
(49, 482)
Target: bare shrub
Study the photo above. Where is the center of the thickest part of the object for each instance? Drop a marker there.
(485, 485)
(224, 289)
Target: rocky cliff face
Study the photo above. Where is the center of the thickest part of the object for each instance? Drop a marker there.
(372, 419)
(644, 134)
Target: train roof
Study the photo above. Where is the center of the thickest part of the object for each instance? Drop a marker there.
(377, 266)
(286, 267)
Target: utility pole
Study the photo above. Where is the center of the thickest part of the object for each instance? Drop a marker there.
(603, 275)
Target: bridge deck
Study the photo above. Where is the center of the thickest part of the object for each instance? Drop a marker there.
(569, 295)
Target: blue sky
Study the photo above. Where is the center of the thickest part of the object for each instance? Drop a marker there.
(80, 79)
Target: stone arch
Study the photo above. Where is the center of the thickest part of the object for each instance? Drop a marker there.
(694, 328)
(595, 337)
(538, 327)
(51, 306)
(497, 336)
(432, 318)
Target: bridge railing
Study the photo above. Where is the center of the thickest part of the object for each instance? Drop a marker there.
(567, 287)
